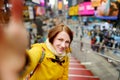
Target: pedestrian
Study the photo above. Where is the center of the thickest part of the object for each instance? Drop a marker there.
(93, 41)
(81, 42)
(97, 43)
(54, 54)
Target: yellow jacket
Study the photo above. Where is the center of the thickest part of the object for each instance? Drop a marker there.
(46, 70)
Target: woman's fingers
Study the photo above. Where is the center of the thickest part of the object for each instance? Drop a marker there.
(16, 34)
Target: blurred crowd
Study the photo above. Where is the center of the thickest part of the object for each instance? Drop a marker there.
(105, 39)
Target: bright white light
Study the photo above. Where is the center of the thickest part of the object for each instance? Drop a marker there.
(36, 1)
(65, 2)
(52, 2)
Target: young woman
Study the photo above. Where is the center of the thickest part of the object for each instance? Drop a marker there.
(14, 57)
(54, 54)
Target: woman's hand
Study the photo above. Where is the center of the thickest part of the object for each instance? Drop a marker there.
(16, 35)
(13, 44)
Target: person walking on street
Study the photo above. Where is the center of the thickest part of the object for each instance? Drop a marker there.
(81, 43)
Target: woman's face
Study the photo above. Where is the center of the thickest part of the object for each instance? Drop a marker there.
(114, 9)
(61, 42)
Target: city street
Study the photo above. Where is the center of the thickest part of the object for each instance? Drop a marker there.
(78, 71)
(94, 62)
(89, 29)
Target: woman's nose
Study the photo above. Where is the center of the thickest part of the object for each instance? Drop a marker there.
(63, 44)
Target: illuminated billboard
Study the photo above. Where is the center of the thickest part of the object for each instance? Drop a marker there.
(104, 8)
(39, 2)
(39, 10)
(95, 3)
(42, 2)
(86, 8)
(73, 10)
(107, 10)
(36, 1)
(60, 5)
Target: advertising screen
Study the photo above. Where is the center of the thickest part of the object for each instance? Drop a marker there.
(39, 2)
(86, 8)
(95, 3)
(39, 10)
(42, 2)
(107, 10)
(60, 5)
(73, 10)
(36, 1)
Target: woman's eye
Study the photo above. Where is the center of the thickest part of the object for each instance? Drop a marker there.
(60, 39)
(68, 42)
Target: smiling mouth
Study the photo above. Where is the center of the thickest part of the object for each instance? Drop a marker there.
(61, 50)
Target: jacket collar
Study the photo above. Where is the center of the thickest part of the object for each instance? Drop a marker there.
(48, 53)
